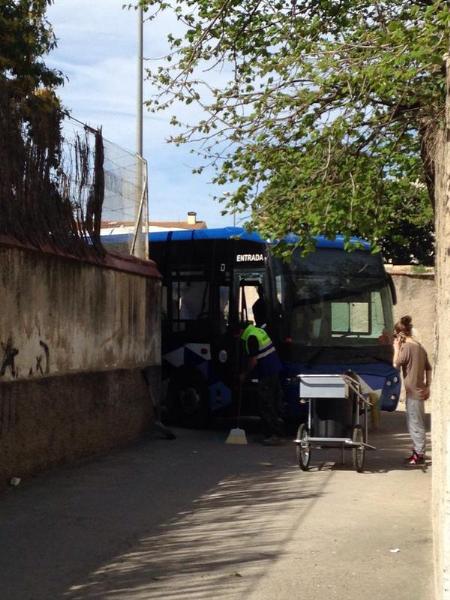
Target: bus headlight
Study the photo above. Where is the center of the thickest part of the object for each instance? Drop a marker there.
(223, 356)
(393, 397)
(389, 382)
(395, 379)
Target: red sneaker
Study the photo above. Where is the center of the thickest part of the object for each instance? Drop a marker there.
(411, 456)
(416, 459)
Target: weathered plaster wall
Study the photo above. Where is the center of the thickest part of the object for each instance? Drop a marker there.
(441, 384)
(74, 340)
(416, 296)
(54, 420)
(60, 316)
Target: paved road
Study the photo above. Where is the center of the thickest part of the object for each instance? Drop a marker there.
(197, 519)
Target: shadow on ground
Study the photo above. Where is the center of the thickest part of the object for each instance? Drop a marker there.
(123, 525)
(192, 518)
(218, 548)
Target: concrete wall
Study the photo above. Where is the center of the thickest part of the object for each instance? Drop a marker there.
(416, 296)
(59, 316)
(441, 385)
(54, 420)
(74, 338)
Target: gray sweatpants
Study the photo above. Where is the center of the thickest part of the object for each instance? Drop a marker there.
(415, 420)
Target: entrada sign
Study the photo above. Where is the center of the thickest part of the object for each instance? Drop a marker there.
(249, 257)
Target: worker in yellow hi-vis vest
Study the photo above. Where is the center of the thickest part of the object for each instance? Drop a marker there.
(264, 364)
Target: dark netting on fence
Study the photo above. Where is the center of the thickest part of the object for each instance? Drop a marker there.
(51, 185)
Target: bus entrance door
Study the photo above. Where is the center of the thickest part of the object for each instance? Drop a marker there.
(249, 289)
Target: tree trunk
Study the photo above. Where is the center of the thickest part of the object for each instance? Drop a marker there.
(441, 384)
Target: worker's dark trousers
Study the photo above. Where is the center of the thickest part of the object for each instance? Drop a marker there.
(269, 400)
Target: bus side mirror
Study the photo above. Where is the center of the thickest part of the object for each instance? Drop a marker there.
(393, 290)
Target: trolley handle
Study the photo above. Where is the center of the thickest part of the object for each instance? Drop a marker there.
(355, 388)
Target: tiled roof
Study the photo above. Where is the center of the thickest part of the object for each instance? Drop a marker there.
(158, 224)
(178, 224)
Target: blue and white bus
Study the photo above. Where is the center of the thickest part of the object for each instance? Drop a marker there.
(328, 312)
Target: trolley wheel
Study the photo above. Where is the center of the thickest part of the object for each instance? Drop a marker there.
(303, 448)
(358, 453)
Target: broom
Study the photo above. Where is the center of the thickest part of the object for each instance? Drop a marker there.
(237, 435)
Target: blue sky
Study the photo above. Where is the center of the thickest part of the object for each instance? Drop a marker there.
(97, 45)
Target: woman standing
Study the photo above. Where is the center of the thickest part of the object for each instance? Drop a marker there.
(416, 369)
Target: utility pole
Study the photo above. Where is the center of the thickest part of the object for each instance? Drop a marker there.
(140, 79)
(139, 246)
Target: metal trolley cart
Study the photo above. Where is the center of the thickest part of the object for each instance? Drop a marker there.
(337, 417)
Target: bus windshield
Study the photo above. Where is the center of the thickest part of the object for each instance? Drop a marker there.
(335, 298)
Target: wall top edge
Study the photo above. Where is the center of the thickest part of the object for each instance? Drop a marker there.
(111, 260)
(410, 270)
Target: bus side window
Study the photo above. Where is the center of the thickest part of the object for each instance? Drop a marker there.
(190, 300)
(279, 289)
(378, 324)
(175, 300)
(164, 314)
(224, 307)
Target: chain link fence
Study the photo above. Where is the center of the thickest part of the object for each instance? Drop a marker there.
(125, 207)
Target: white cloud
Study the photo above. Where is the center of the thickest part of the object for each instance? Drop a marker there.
(97, 52)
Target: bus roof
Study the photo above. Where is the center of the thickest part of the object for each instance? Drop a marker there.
(223, 233)
(226, 233)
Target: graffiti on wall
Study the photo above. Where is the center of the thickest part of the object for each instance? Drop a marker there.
(43, 369)
(10, 364)
(32, 361)
(9, 357)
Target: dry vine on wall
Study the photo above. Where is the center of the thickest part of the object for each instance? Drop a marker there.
(51, 188)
